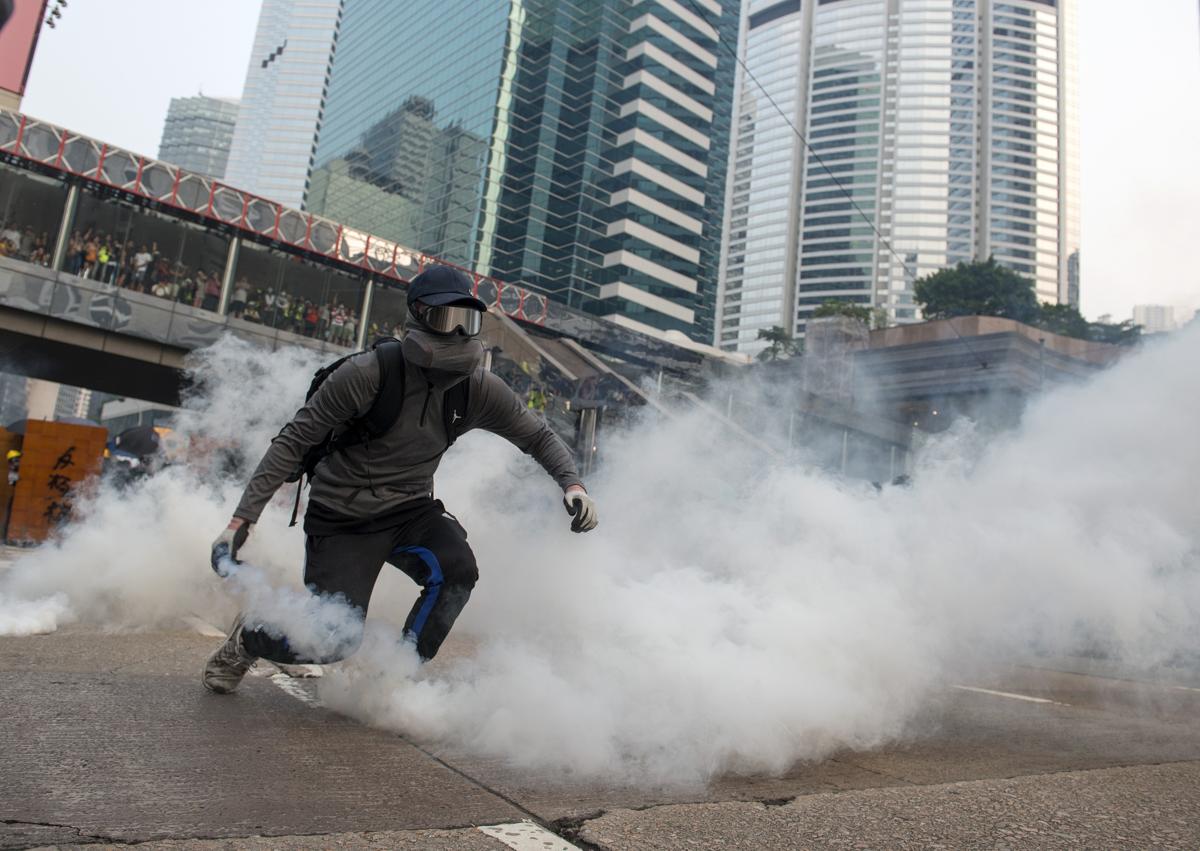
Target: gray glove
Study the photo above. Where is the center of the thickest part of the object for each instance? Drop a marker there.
(225, 548)
(581, 507)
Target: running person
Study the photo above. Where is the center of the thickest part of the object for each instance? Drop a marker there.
(372, 502)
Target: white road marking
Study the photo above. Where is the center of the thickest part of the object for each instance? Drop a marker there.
(289, 686)
(527, 836)
(1009, 694)
(203, 627)
(1186, 688)
(298, 672)
(520, 836)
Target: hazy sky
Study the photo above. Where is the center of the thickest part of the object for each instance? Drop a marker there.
(111, 66)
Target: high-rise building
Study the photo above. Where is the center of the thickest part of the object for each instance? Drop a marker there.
(14, 395)
(1154, 318)
(198, 132)
(939, 131)
(73, 402)
(49, 400)
(408, 180)
(283, 98)
(577, 147)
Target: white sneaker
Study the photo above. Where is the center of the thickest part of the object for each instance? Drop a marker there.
(225, 668)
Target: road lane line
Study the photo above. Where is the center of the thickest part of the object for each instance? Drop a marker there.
(1009, 694)
(289, 686)
(1112, 677)
(203, 627)
(527, 836)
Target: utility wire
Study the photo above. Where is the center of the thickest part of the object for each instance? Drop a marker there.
(816, 156)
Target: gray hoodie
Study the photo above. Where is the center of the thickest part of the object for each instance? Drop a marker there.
(375, 477)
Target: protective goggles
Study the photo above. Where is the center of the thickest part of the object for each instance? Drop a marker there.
(448, 318)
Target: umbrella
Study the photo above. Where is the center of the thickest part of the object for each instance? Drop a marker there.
(139, 440)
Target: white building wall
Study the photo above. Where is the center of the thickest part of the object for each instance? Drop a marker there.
(756, 287)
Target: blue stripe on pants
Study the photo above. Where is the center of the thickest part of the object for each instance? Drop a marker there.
(433, 587)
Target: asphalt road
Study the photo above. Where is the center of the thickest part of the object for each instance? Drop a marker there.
(109, 739)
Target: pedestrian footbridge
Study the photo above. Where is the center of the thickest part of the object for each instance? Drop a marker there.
(113, 266)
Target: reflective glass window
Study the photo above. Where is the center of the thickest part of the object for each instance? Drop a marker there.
(31, 208)
(119, 243)
(289, 293)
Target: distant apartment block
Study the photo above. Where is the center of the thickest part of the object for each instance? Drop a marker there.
(1155, 318)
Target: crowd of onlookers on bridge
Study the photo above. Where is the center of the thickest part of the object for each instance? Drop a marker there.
(143, 267)
(25, 243)
(331, 321)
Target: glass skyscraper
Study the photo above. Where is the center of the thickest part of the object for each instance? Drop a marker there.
(576, 147)
(282, 99)
(949, 124)
(197, 134)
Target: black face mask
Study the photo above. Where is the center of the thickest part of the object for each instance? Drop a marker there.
(445, 359)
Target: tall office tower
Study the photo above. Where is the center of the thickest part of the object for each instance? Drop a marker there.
(198, 132)
(577, 147)
(283, 98)
(14, 394)
(940, 131)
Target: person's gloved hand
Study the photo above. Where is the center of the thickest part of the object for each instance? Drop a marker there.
(227, 544)
(581, 507)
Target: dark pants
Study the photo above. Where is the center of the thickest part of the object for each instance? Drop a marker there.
(430, 547)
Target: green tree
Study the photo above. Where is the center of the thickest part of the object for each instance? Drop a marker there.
(989, 289)
(1062, 319)
(1067, 320)
(977, 289)
(782, 344)
(834, 307)
(1121, 333)
(875, 318)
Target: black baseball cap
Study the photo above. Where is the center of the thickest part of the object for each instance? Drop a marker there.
(439, 285)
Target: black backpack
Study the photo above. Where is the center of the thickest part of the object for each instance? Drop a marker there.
(382, 414)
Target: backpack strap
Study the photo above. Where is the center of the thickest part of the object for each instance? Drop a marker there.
(389, 398)
(378, 419)
(296, 504)
(385, 410)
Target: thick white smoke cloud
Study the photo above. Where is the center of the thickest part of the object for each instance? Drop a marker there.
(137, 558)
(33, 617)
(726, 615)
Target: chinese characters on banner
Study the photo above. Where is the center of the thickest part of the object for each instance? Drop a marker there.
(56, 458)
(59, 483)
